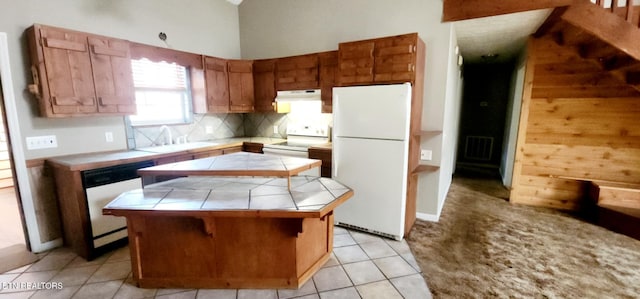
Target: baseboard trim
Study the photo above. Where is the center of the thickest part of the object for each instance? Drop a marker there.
(428, 217)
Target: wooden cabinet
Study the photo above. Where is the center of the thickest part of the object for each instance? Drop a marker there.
(264, 84)
(229, 85)
(328, 71)
(252, 147)
(111, 62)
(80, 74)
(355, 63)
(72, 196)
(217, 84)
(297, 72)
(384, 60)
(395, 59)
(240, 85)
(324, 154)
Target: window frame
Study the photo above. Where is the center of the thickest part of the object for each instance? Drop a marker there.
(187, 117)
(193, 62)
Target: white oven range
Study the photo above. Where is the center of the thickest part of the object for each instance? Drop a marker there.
(299, 139)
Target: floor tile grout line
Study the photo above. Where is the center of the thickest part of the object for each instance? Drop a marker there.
(376, 265)
(315, 288)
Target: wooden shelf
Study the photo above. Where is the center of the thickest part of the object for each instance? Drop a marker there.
(425, 168)
(427, 134)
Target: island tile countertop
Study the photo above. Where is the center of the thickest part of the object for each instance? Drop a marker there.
(236, 164)
(309, 197)
(79, 162)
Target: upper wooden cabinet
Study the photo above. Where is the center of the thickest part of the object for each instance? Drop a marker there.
(80, 74)
(83, 74)
(264, 84)
(217, 84)
(229, 85)
(328, 72)
(297, 72)
(379, 61)
(240, 85)
(112, 74)
(355, 63)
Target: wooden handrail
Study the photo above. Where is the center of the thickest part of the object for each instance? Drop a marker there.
(614, 8)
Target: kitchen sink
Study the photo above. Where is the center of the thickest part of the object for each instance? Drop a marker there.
(162, 149)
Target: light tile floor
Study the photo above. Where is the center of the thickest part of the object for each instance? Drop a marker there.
(361, 266)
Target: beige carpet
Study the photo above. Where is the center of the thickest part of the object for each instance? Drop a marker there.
(483, 246)
(15, 256)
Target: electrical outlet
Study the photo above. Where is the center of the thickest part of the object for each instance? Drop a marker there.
(275, 129)
(426, 155)
(39, 142)
(108, 136)
(208, 129)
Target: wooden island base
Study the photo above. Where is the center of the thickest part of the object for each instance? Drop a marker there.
(236, 232)
(225, 252)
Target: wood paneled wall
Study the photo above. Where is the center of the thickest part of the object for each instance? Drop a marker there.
(578, 123)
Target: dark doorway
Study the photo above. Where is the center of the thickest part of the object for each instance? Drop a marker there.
(482, 117)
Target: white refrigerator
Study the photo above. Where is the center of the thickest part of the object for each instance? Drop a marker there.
(370, 155)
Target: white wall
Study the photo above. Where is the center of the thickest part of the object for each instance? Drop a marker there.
(512, 122)
(291, 27)
(200, 26)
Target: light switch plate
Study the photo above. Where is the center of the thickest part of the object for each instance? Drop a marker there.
(208, 129)
(426, 155)
(108, 136)
(40, 142)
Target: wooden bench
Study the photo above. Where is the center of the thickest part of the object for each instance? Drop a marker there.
(617, 207)
(622, 197)
(613, 205)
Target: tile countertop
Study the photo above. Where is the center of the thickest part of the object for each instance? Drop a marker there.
(234, 197)
(81, 162)
(236, 164)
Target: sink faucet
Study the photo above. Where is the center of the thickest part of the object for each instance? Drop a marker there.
(166, 131)
(181, 139)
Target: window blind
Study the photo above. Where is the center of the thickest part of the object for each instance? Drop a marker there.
(163, 75)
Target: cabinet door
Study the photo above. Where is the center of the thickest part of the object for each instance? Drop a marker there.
(395, 59)
(355, 63)
(217, 84)
(297, 72)
(240, 85)
(328, 70)
(112, 76)
(264, 84)
(67, 72)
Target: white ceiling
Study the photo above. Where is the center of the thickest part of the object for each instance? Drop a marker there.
(504, 35)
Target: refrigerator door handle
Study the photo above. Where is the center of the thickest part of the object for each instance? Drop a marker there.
(335, 164)
(335, 121)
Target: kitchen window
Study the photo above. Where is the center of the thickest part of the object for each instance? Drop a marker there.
(163, 95)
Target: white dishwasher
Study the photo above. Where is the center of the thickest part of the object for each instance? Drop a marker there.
(101, 187)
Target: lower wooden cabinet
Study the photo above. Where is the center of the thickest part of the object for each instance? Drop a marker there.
(252, 147)
(324, 154)
(76, 208)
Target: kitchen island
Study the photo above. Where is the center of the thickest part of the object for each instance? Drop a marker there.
(236, 164)
(230, 232)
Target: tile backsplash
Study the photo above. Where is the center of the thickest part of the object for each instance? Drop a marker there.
(220, 126)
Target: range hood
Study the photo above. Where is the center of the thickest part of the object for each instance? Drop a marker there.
(298, 95)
